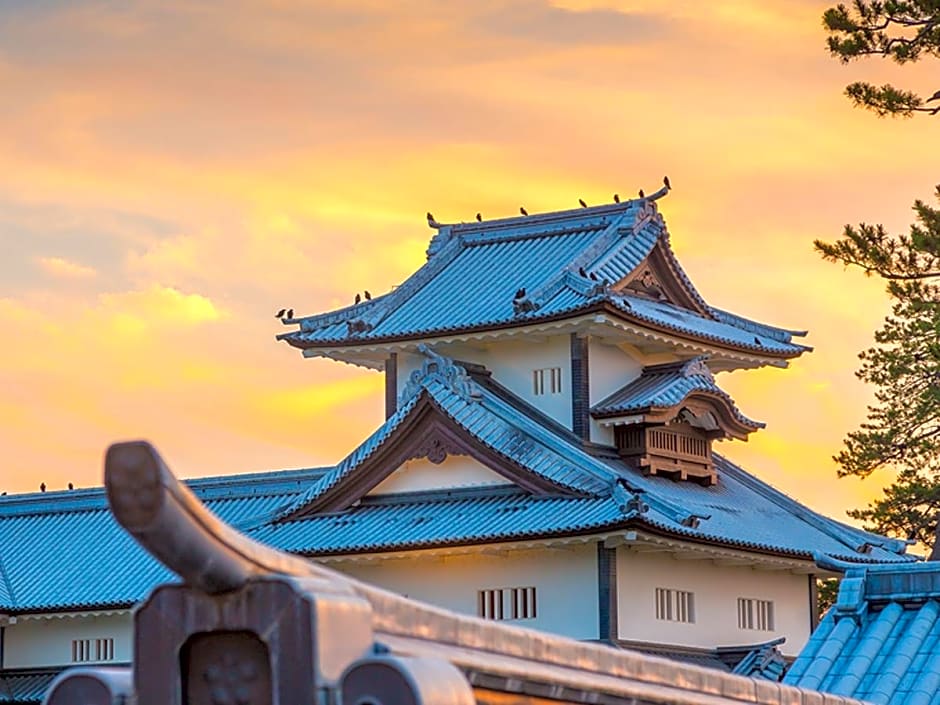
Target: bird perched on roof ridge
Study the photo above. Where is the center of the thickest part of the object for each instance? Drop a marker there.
(582, 272)
(367, 295)
(616, 198)
(479, 218)
(520, 293)
(71, 486)
(290, 314)
(358, 297)
(666, 183)
(42, 486)
(280, 314)
(593, 277)
(583, 204)
(431, 222)
(523, 211)
(642, 195)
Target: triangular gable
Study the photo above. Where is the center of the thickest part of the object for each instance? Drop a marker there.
(659, 277)
(426, 431)
(436, 467)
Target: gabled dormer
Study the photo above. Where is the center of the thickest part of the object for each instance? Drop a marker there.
(665, 420)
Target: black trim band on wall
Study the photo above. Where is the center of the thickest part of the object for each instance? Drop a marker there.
(391, 385)
(813, 603)
(607, 593)
(580, 392)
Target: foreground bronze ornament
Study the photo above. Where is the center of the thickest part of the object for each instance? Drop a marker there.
(250, 625)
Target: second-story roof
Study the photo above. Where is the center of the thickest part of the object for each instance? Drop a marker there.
(556, 487)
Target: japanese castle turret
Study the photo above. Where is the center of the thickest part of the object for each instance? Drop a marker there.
(550, 380)
(548, 459)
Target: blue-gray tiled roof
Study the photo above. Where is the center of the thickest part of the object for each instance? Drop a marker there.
(102, 565)
(25, 686)
(474, 271)
(880, 642)
(666, 386)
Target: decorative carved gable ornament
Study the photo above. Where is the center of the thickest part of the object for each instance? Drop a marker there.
(436, 447)
(657, 278)
(646, 284)
(698, 367)
(437, 368)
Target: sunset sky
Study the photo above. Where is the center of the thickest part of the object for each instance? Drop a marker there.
(173, 172)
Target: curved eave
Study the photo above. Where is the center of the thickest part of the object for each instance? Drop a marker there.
(733, 423)
(631, 521)
(616, 313)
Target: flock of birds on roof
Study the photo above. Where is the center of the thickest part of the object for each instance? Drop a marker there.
(42, 488)
(287, 314)
(432, 222)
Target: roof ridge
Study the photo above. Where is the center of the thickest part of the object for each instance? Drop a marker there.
(538, 218)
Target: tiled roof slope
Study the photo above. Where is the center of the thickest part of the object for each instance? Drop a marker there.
(103, 567)
(880, 642)
(474, 271)
(666, 386)
(486, 416)
(25, 686)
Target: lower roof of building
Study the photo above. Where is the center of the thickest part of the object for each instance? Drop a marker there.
(554, 487)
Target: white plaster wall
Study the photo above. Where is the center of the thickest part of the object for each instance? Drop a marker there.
(717, 589)
(422, 474)
(565, 582)
(48, 642)
(512, 362)
(610, 369)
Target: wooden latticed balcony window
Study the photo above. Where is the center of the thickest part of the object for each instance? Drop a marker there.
(676, 450)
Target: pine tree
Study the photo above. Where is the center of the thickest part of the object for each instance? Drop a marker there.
(902, 430)
(901, 30)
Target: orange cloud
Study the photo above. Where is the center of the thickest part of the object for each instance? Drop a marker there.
(282, 154)
(66, 269)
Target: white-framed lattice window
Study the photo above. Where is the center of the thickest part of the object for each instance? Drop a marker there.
(675, 605)
(755, 614)
(92, 650)
(507, 603)
(546, 380)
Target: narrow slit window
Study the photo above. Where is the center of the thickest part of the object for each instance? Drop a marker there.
(538, 382)
(84, 650)
(754, 614)
(546, 380)
(675, 605)
(507, 603)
